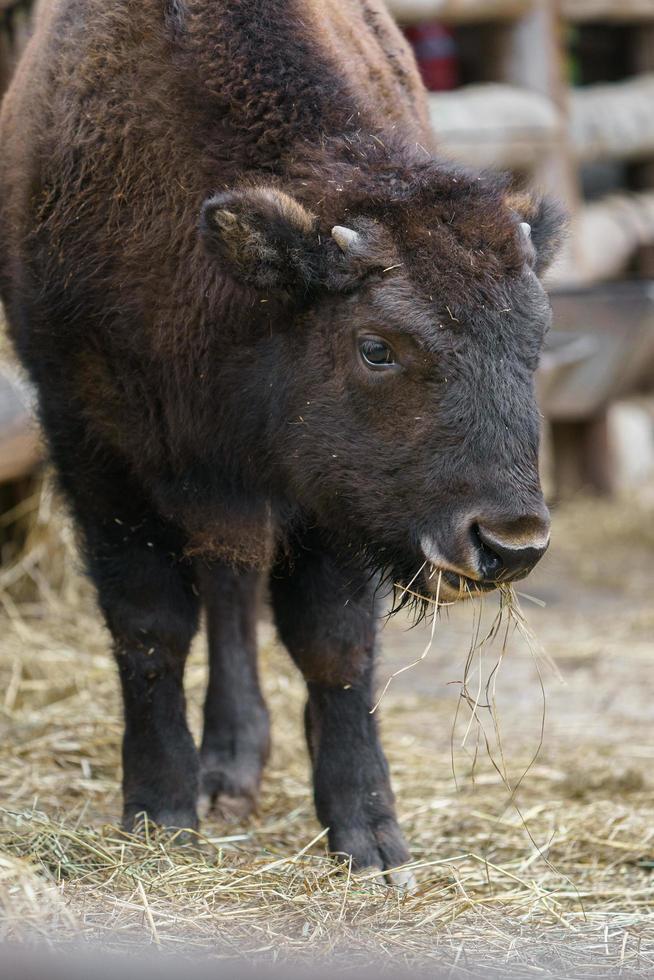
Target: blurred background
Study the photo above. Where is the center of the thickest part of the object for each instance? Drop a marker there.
(522, 749)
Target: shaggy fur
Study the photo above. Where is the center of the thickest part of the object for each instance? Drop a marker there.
(170, 175)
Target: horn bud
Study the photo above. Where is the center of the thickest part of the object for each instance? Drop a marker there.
(346, 238)
(525, 228)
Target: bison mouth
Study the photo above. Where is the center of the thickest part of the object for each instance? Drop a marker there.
(436, 585)
(427, 580)
(467, 586)
(447, 586)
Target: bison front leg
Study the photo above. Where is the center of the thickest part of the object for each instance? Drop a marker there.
(235, 742)
(326, 618)
(146, 591)
(152, 614)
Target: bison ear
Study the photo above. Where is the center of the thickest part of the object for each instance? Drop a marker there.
(265, 237)
(541, 226)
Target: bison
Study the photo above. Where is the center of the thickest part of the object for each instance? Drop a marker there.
(272, 336)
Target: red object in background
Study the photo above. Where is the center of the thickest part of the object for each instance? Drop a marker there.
(435, 51)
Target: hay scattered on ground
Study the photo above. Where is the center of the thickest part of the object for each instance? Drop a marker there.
(570, 893)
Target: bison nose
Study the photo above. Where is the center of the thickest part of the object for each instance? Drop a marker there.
(509, 551)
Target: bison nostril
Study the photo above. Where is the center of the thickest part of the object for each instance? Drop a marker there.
(491, 563)
(507, 557)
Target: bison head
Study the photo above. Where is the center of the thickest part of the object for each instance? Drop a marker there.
(413, 321)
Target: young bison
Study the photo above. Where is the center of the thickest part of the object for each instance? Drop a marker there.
(271, 335)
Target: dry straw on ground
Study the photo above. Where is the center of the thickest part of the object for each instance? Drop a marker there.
(557, 881)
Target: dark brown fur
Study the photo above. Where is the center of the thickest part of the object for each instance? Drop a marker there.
(170, 175)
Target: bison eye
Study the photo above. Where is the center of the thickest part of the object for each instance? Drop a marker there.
(376, 353)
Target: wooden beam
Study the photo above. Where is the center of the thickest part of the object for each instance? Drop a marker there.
(607, 234)
(619, 11)
(457, 11)
(613, 121)
(494, 125)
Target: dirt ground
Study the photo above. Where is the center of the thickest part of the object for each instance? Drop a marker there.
(554, 879)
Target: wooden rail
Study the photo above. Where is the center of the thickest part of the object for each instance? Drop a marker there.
(580, 11)
(457, 11)
(494, 125)
(613, 121)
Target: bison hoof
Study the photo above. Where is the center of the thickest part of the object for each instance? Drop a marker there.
(403, 879)
(380, 845)
(228, 788)
(229, 809)
(166, 818)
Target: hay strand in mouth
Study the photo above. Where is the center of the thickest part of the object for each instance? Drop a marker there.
(509, 617)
